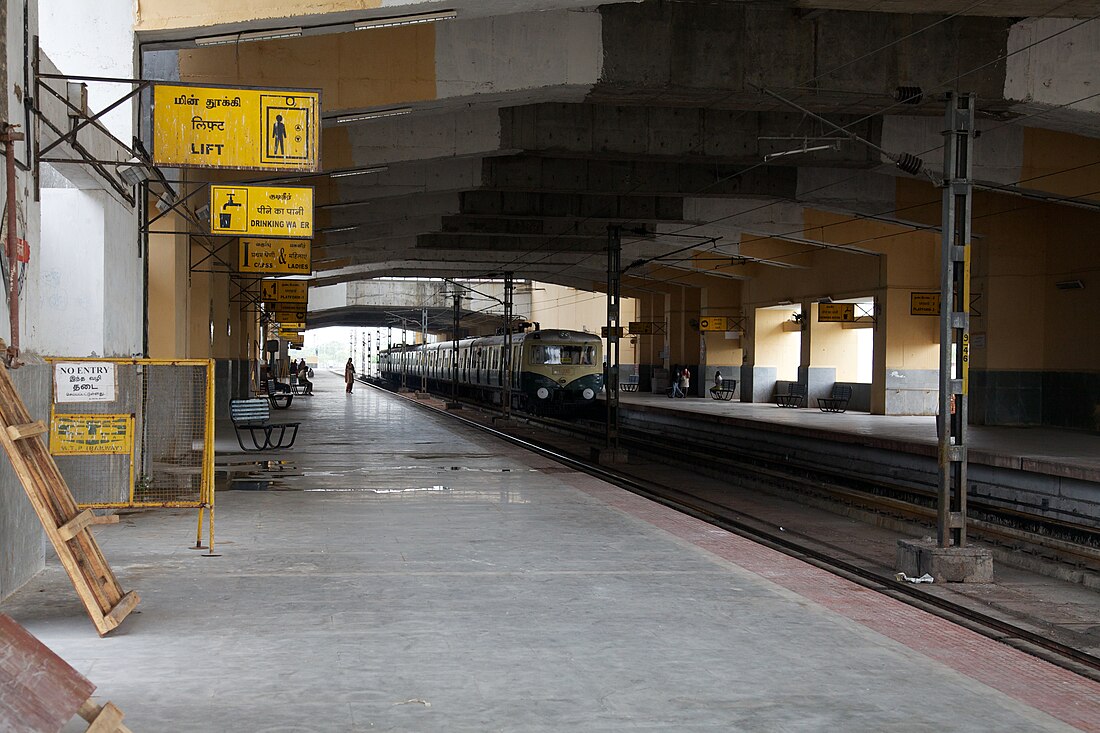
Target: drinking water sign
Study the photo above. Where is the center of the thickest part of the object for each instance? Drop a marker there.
(221, 127)
(262, 211)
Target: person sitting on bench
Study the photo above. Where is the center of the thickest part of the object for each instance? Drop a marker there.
(717, 381)
(303, 377)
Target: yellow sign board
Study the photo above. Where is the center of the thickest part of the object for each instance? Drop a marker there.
(836, 313)
(275, 257)
(257, 129)
(618, 332)
(642, 328)
(713, 323)
(290, 315)
(264, 211)
(72, 435)
(283, 291)
(924, 304)
(292, 326)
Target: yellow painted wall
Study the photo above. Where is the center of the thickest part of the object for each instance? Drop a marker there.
(776, 347)
(1060, 163)
(556, 306)
(168, 291)
(722, 298)
(153, 15)
(352, 70)
(832, 345)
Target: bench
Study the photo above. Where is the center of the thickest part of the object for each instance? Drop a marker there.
(630, 385)
(837, 401)
(299, 388)
(725, 392)
(795, 397)
(253, 416)
(276, 393)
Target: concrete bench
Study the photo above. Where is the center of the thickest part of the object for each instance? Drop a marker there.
(252, 416)
(838, 398)
(724, 392)
(795, 397)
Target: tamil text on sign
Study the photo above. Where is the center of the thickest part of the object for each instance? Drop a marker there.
(208, 127)
(283, 291)
(836, 313)
(84, 382)
(712, 323)
(262, 211)
(924, 304)
(275, 256)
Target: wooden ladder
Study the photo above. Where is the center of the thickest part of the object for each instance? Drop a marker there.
(67, 527)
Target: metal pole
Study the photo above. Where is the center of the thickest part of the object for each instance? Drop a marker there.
(955, 319)
(454, 352)
(404, 365)
(506, 362)
(9, 139)
(614, 276)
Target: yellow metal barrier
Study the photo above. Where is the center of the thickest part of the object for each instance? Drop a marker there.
(136, 433)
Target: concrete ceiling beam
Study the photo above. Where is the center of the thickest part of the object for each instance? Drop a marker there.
(674, 133)
(581, 205)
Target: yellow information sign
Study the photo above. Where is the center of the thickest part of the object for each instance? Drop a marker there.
(924, 304)
(283, 291)
(72, 435)
(713, 323)
(292, 326)
(836, 313)
(290, 315)
(265, 211)
(257, 129)
(618, 331)
(275, 256)
(642, 328)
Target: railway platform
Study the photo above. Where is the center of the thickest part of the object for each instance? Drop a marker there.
(406, 573)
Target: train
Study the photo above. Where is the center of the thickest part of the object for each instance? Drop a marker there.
(553, 371)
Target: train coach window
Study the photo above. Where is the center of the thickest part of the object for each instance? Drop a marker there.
(561, 354)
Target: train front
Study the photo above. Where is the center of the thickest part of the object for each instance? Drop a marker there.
(561, 370)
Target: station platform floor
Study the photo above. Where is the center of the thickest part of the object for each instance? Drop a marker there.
(412, 575)
(1065, 453)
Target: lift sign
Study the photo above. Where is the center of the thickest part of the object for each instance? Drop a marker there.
(218, 127)
(84, 382)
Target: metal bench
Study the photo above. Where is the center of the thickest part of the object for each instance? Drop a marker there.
(630, 385)
(837, 401)
(725, 392)
(276, 393)
(253, 416)
(795, 397)
(299, 388)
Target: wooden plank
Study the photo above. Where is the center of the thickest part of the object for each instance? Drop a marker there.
(65, 525)
(28, 430)
(108, 720)
(122, 609)
(39, 691)
(90, 711)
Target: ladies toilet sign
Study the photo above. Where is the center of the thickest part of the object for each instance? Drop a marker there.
(84, 382)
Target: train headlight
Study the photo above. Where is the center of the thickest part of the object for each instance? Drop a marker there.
(588, 393)
(543, 393)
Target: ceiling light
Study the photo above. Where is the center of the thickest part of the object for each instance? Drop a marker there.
(405, 20)
(132, 175)
(252, 36)
(358, 172)
(331, 230)
(343, 119)
(1069, 285)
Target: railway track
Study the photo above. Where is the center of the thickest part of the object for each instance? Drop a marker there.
(1031, 641)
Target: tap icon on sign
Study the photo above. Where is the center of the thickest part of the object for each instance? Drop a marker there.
(230, 202)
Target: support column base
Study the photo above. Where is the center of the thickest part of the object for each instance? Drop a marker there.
(945, 564)
(608, 456)
(452, 406)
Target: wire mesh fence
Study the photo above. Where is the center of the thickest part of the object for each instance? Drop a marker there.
(135, 432)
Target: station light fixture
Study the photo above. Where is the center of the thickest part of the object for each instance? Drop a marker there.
(1070, 285)
(332, 230)
(377, 114)
(232, 38)
(358, 171)
(405, 20)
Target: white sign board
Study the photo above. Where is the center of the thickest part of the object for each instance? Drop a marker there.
(84, 382)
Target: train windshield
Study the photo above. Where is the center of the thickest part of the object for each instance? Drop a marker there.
(562, 354)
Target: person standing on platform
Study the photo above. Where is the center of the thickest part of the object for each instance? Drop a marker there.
(674, 383)
(349, 375)
(685, 382)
